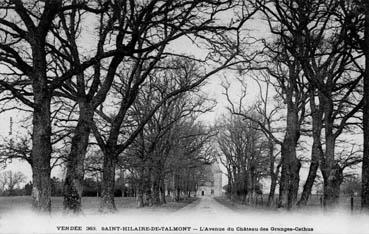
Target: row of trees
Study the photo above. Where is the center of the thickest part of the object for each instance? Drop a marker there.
(312, 66)
(82, 68)
(170, 150)
(242, 146)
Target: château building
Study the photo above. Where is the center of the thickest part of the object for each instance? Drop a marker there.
(210, 183)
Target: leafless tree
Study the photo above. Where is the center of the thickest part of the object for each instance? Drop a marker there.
(142, 32)
(355, 19)
(365, 166)
(268, 107)
(9, 180)
(289, 83)
(171, 79)
(19, 147)
(243, 151)
(319, 47)
(189, 155)
(36, 64)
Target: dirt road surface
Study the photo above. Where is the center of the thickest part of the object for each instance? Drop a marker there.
(206, 206)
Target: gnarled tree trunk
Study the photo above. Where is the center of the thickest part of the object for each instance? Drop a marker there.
(41, 136)
(273, 186)
(289, 181)
(107, 203)
(73, 184)
(295, 167)
(41, 152)
(316, 153)
(273, 174)
(329, 167)
(332, 185)
(316, 150)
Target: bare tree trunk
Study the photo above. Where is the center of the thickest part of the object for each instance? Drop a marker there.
(330, 171)
(252, 184)
(274, 181)
(236, 184)
(316, 150)
(230, 186)
(329, 166)
(290, 178)
(332, 186)
(246, 186)
(365, 165)
(177, 188)
(316, 153)
(294, 182)
(283, 184)
(140, 201)
(162, 191)
(97, 184)
(107, 203)
(73, 184)
(41, 136)
(178, 194)
(148, 188)
(188, 190)
(31, 61)
(273, 175)
(156, 188)
(156, 194)
(140, 191)
(41, 151)
(289, 182)
(273, 186)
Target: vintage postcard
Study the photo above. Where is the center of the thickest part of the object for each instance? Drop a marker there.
(184, 116)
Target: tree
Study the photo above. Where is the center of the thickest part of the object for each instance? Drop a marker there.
(266, 113)
(9, 180)
(356, 23)
(142, 33)
(89, 95)
(35, 65)
(311, 33)
(365, 166)
(185, 71)
(147, 157)
(25, 33)
(289, 83)
(19, 148)
(161, 133)
(269, 111)
(241, 143)
(191, 152)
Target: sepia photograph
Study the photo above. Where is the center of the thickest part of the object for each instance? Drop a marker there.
(184, 116)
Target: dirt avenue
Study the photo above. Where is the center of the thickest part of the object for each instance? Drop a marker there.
(206, 205)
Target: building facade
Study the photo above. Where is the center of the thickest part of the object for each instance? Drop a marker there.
(210, 183)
